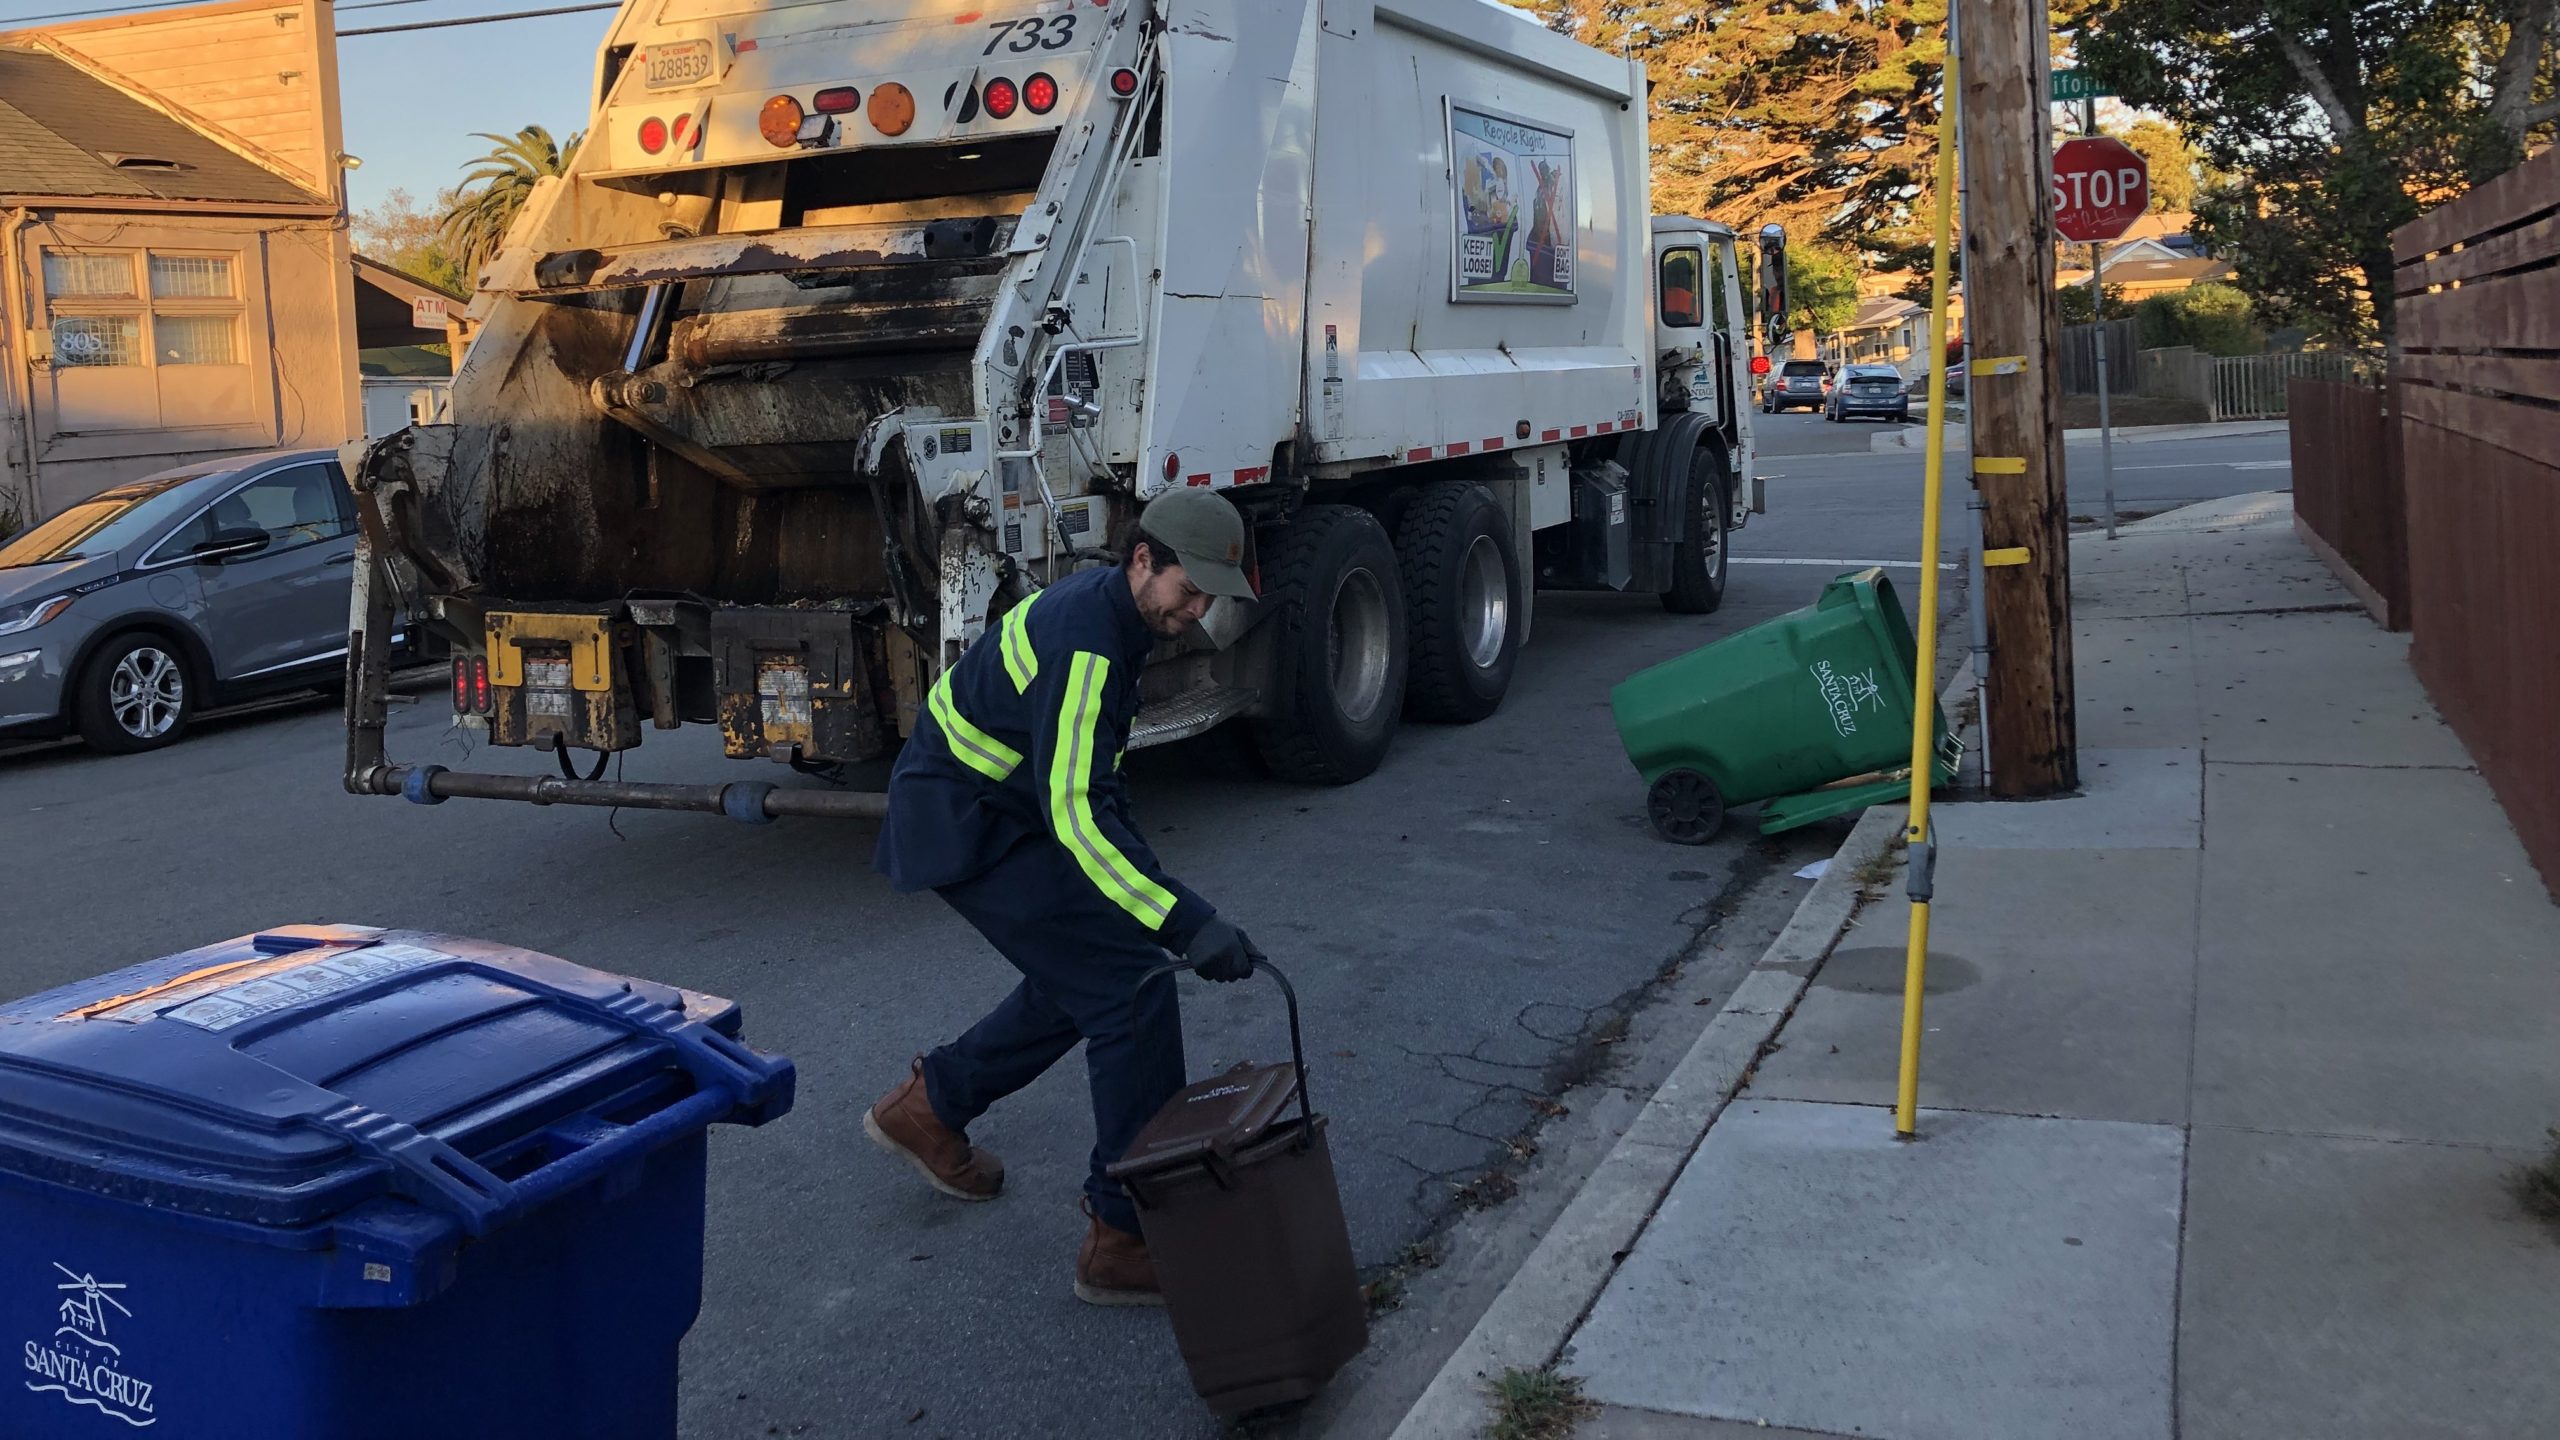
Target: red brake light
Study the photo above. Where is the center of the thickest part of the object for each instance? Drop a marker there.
(461, 685)
(1124, 83)
(480, 684)
(1040, 94)
(1002, 98)
(839, 100)
(653, 134)
(680, 134)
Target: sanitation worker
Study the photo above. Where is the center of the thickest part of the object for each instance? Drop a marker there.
(1008, 803)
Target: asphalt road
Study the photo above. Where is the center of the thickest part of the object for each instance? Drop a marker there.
(1468, 930)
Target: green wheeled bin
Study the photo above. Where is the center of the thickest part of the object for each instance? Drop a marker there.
(1810, 711)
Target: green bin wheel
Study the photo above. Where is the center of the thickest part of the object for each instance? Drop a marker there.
(1685, 807)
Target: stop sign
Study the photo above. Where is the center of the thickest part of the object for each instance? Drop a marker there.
(2099, 187)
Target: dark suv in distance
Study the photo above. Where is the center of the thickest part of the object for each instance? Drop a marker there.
(127, 614)
(1798, 382)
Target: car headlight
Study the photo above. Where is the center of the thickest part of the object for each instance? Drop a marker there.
(28, 616)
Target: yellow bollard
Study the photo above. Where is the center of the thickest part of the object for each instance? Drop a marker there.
(1915, 964)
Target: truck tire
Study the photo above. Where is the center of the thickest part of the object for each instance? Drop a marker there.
(1462, 601)
(1338, 645)
(1698, 563)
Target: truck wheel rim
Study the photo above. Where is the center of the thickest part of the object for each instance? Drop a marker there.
(146, 691)
(1484, 602)
(1360, 645)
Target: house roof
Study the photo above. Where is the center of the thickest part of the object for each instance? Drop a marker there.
(1881, 311)
(2153, 272)
(65, 132)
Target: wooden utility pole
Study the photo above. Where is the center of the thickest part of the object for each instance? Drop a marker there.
(2013, 396)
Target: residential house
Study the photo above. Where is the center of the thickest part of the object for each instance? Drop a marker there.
(174, 261)
(2154, 256)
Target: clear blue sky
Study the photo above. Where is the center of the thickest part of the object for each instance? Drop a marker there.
(411, 101)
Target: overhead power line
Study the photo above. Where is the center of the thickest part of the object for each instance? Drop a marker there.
(477, 19)
(174, 5)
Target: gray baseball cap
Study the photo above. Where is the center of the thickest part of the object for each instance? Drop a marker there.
(1205, 533)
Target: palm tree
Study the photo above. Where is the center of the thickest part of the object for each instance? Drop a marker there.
(497, 188)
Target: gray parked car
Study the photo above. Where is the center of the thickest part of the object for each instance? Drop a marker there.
(1869, 390)
(124, 616)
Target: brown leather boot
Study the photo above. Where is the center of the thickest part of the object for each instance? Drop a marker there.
(1114, 1268)
(903, 1123)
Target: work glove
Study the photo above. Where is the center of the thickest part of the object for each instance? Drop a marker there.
(1221, 952)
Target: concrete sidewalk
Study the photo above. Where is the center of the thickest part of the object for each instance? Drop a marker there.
(2226, 1058)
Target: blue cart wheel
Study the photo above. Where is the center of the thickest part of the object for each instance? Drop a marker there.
(1685, 807)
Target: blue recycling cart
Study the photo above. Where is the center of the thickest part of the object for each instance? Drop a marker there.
(340, 1183)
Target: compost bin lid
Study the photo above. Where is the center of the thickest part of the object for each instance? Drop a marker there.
(285, 1077)
(1215, 1117)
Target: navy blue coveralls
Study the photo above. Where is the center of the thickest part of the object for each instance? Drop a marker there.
(1008, 802)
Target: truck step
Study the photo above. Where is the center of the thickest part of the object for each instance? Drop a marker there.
(1187, 714)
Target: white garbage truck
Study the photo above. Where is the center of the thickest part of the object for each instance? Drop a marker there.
(855, 322)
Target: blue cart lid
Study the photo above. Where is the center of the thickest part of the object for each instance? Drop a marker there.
(283, 1078)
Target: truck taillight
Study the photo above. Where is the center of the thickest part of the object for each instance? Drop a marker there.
(779, 122)
(1124, 83)
(653, 134)
(836, 100)
(471, 685)
(1040, 94)
(1001, 98)
(892, 108)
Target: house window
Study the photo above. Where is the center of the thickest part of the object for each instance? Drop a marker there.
(147, 340)
(97, 340)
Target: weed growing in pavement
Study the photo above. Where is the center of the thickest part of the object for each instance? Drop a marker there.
(2537, 1186)
(1536, 1405)
(1386, 1291)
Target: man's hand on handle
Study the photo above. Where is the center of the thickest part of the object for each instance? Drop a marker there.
(1221, 952)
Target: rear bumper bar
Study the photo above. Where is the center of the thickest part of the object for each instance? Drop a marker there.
(754, 801)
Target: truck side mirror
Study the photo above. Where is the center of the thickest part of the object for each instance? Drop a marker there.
(1773, 278)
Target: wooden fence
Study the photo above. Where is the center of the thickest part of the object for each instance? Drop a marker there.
(2347, 499)
(2075, 359)
(2479, 407)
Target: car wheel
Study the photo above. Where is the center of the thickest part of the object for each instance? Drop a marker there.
(134, 696)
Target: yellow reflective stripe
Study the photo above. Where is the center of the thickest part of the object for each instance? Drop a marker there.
(1020, 661)
(1071, 802)
(972, 746)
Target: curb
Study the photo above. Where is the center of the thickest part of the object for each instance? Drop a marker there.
(1915, 438)
(1538, 1307)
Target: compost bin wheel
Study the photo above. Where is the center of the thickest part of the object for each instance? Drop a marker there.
(1685, 807)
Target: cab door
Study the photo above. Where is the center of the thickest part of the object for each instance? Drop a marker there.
(1683, 339)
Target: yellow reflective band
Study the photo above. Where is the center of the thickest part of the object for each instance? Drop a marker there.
(1020, 661)
(970, 745)
(1999, 464)
(1071, 802)
(2010, 555)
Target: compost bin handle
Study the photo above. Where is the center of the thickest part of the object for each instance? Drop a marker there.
(1297, 1042)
